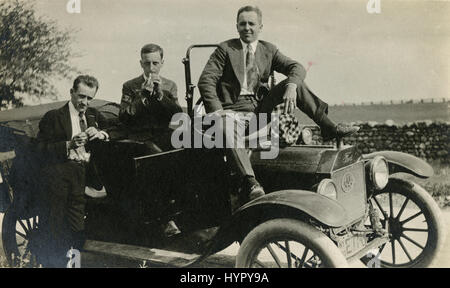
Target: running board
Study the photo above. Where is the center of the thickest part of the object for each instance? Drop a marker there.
(139, 253)
(157, 256)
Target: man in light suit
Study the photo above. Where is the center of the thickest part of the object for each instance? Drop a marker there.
(149, 101)
(63, 138)
(238, 69)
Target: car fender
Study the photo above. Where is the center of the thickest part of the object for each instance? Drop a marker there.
(319, 207)
(403, 162)
(298, 204)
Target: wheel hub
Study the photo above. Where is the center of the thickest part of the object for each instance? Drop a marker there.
(395, 228)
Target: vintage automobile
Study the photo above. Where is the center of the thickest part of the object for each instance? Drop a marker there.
(327, 204)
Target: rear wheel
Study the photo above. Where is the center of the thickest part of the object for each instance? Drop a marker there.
(288, 243)
(20, 238)
(414, 223)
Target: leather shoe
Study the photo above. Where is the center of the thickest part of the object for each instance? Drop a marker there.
(341, 130)
(256, 191)
(251, 190)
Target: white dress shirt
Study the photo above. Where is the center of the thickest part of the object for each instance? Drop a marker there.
(79, 153)
(244, 90)
(75, 119)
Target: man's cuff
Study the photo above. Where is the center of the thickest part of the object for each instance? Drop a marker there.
(213, 106)
(106, 135)
(293, 85)
(67, 148)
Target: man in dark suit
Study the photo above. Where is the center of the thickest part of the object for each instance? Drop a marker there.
(238, 69)
(149, 102)
(64, 135)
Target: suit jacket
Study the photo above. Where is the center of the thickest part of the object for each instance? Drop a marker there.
(221, 80)
(136, 116)
(55, 129)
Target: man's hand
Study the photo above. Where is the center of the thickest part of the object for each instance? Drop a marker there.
(93, 133)
(79, 155)
(78, 140)
(155, 79)
(148, 85)
(151, 82)
(153, 85)
(157, 90)
(290, 98)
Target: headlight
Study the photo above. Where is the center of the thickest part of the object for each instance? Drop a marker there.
(327, 188)
(307, 136)
(379, 172)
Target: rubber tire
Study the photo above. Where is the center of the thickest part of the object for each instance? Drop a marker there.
(431, 210)
(9, 234)
(292, 229)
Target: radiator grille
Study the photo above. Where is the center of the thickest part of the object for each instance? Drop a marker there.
(351, 189)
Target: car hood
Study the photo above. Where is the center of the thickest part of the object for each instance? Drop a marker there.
(308, 159)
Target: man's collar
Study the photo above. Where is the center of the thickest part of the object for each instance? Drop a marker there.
(253, 44)
(72, 109)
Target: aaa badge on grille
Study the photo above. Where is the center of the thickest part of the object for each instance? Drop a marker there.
(348, 180)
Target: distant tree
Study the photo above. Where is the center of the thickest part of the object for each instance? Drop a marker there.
(33, 52)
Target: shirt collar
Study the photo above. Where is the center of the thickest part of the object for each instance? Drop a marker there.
(253, 44)
(73, 110)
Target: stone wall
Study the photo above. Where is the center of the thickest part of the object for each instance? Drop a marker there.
(428, 140)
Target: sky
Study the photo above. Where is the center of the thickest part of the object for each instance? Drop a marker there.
(351, 56)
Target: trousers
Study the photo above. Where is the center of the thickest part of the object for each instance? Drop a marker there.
(63, 209)
(307, 102)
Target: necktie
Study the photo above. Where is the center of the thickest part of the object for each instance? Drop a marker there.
(83, 125)
(251, 69)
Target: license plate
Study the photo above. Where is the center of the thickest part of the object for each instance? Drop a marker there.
(352, 245)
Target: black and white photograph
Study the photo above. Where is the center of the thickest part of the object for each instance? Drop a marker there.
(224, 134)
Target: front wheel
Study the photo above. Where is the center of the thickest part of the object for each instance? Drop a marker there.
(414, 223)
(288, 243)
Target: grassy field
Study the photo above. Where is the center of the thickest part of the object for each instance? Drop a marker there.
(438, 185)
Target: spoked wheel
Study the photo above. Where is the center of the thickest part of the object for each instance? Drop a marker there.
(20, 239)
(413, 221)
(288, 243)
